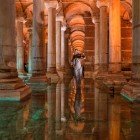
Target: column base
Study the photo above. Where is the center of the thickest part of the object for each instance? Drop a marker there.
(51, 70)
(100, 75)
(23, 76)
(101, 72)
(53, 77)
(96, 71)
(116, 81)
(13, 90)
(131, 91)
(65, 73)
(38, 84)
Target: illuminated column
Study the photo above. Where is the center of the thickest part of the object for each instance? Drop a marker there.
(132, 90)
(96, 21)
(59, 20)
(11, 87)
(20, 48)
(63, 49)
(38, 55)
(67, 55)
(30, 52)
(114, 36)
(51, 56)
(136, 41)
(103, 35)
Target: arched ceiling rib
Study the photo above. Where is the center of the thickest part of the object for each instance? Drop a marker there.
(76, 8)
(126, 10)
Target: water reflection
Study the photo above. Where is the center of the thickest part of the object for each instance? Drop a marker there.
(84, 113)
(50, 125)
(114, 119)
(100, 112)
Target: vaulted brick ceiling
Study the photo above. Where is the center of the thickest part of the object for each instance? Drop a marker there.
(76, 13)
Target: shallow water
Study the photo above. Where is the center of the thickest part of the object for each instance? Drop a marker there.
(64, 113)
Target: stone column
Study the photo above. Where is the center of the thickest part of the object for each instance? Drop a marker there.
(51, 52)
(38, 55)
(103, 48)
(67, 55)
(30, 52)
(11, 87)
(96, 21)
(63, 47)
(59, 20)
(132, 90)
(114, 36)
(20, 47)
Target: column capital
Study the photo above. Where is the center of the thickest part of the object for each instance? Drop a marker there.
(51, 4)
(102, 3)
(95, 19)
(60, 18)
(63, 28)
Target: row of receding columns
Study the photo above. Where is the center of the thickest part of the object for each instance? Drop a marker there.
(12, 87)
(108, 58)
(57, 43)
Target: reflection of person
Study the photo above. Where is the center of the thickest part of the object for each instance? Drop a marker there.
(78, 103)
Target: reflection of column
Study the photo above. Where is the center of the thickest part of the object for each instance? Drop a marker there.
(51, 110)
(114, 121)
(58, 41)
(11, 87)
(20, 48)
(38, 69)
(97, 40)
(100, 115)
(63, 29)
(58, 106)
(96, 108)
(30, 52)
(103, 35)
(114, 36)
(63, 102)
(51, 56)
(132, 90)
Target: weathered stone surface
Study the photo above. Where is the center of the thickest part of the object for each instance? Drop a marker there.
(131, 91)
(15, 94)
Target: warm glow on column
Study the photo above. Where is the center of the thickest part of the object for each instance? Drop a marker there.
(115, 34)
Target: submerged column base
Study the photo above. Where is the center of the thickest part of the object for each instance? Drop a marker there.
(116, 81)
(13, 90)
(38, 83)
(53, 77)
(131, 91)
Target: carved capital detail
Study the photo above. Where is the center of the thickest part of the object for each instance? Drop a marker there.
(60, 18)
(102, 3)
(51, 4)
(95, 19)
(63, 28)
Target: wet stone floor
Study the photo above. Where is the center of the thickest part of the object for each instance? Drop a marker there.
(64, 113)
